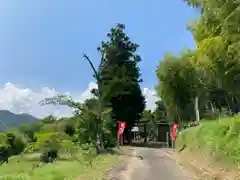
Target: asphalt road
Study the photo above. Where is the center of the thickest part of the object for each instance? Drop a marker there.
(155, 165)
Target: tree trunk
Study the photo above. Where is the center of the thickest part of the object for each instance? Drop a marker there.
(196, 103)
(128, 135)
(145, 133)
(212, 107)
(101, 148)
(100, 141)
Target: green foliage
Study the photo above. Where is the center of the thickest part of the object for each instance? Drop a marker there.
(15, 142)
(160, 113)
(117, 87)
(87, 121)
(45, 136)
(11, 144)
(22, 167)
(35, 127)
(3, 140)
(49, 155)
(31, 136)
(49, 127)
(149, 118)
(4, 154)
(69, 129)
(120, 76)
(50, 149)
(204, 81)
(89, 152)
(179, 83)
(87, 117)
(69, 147)
(217, 139)
(29, 131)
(32, 147)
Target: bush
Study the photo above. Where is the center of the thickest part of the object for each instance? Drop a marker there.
(49, 155)
(29, 131)
(66, 145)
(89, 153)
(50, 149)
(109, 142)
(31, 136)
(32, 147)
(3, 139)
(69, 129)
(4, 154)
(16, 143)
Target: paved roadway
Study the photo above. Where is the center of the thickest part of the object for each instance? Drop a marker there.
(155, 165)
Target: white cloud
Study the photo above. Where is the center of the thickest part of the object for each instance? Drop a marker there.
(24, 100)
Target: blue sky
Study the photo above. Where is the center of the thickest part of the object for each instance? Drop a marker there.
(41, 41)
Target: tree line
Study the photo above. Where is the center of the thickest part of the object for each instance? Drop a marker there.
(204, 82)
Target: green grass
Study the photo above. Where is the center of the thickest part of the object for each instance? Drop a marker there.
(21, 168)
(219, 139)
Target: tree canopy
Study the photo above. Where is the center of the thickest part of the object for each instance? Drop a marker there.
(120, 76)
(205, 79)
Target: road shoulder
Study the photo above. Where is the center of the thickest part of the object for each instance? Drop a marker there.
(128, 160)
(200, 166)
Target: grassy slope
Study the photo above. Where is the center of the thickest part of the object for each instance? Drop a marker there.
(69, 169)
(219, 140)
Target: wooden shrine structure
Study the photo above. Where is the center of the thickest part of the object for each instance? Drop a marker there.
(163, 130)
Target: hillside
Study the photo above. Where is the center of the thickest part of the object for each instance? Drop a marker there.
(213, 145)
(9, 119)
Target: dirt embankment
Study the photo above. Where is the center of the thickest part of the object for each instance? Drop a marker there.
(212, 149)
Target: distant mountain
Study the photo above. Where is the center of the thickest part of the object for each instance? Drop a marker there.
(10, 120)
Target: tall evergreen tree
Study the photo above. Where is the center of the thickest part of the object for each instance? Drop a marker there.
(120, 77)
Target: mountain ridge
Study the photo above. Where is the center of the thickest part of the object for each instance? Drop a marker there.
(10, 120)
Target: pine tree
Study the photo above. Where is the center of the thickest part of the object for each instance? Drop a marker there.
(120, 77)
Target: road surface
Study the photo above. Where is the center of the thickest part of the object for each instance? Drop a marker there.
(155, 165)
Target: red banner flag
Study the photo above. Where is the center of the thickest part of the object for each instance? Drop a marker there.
(174, 131)
(121, 127)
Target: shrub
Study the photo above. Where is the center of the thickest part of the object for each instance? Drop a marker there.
(3, 139)
(66, 145)
(4, 154)
(49, 155)
(32, 147)
(109, 141)
(16, 143)
(29, 131)
(89, 152)
(50, 149)
(69, 129)
(31, 136)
